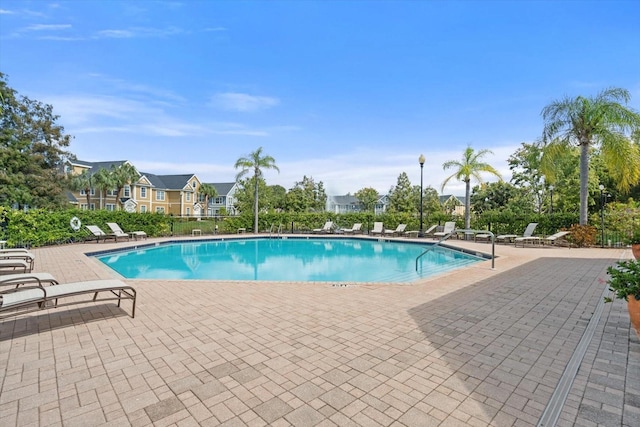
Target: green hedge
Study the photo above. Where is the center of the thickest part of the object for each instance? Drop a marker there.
(39, 227)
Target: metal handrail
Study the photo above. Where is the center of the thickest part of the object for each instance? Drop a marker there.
(466, 230)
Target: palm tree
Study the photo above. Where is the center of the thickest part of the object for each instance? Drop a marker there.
(469, 167)
(603, 121)
(255, 161)
(103, 181)
(208, 191)
(82, 182)
(123, 175)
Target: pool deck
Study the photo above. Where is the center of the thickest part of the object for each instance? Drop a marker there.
(527, 343)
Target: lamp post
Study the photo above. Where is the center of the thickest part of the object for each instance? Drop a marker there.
(601, 187)
(421, 159)
(551, 204)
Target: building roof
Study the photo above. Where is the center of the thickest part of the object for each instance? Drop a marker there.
(443, 198)
(222, 188)
(344, 200)
(96, 166)
(169, 182)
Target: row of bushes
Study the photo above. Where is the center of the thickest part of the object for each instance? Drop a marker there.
(40, 227)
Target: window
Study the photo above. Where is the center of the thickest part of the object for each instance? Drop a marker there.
(188, 197)
(193, 184)
(84, 193)
(110, 207)
(219, 200)
(160, 196)
(143, 208)
(188, 211)
(143, 193)
(159, 209)
(83, 207)
(112, 192)
(127, 191)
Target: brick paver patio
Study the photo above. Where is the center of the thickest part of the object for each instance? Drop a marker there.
(475, 347)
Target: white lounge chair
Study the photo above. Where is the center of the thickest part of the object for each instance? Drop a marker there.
(22, 254)
(326, 228)
(555, 239)
(356, 228)
(429, 231)
(28, 296)
(449, 226)
(508, 238)
(119, 233)
(13, 266)
(398, 231)
(26, 279)
(378, 228)
(98, 234)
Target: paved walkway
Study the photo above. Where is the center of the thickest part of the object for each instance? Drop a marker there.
(476, 347)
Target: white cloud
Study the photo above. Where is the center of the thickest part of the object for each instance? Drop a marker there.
(115, 34)
(138, 32)
(243, 102)
(6, 12)
(47, 27)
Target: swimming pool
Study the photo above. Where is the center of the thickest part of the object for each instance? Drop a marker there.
(286, 259)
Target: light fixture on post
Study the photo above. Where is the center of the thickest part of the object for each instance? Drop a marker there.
(421, 159)
(551, 204)
(601, 187)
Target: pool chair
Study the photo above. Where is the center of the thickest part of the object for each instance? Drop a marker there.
(22, 254)
(429, 231)
(425, 233)
(26, 279)
(557, 239)
(378, 228)
(326, 228)
(97, 234)
(48, 296)
(356, 228)
(397, 232)
(119, 233)
(449, 226)
(13, 266)
(510, 238)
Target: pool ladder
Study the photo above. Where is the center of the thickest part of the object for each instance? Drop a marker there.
(465, 231)
(277, 232)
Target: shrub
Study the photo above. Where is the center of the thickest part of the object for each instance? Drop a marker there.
(582, 235)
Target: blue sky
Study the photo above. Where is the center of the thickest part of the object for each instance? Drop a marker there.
(347, 92)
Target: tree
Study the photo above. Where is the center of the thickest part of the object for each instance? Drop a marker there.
(402, 198)
(528, 175)
(82, 182)
(307, 196)
(494, 196)
(277, 197)
(32, 152)
(103, 181)
(245, 195)
(368, 197)
(604, 121)
(469, 167)
(122, 175)
(255, 162)
(207, 191)
(430, 200)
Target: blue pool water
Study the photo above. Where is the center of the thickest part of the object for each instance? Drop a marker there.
(292, 259)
